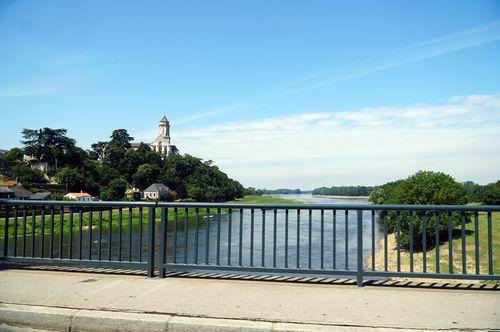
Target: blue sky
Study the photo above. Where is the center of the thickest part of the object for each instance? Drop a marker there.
(269, 90)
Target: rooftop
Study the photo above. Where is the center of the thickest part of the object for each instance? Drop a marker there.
(157, 187)
(8, 183)
(41, 195)
(80, 194)
(21, 192)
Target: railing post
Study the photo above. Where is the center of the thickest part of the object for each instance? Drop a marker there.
(163, 240)
(151, 242)
(360, 248)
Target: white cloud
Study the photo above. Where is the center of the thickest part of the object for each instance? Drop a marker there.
(24, 90)
(428, 49)
(366, 146)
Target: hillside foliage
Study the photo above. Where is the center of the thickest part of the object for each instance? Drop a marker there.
(111, 167)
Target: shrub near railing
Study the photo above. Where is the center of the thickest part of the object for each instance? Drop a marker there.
(430, 223)
(423, 188)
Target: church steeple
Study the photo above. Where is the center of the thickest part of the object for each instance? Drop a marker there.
(164, 127)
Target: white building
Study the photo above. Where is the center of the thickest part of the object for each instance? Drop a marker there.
(156, 191)
(161, 144)
(80, 197)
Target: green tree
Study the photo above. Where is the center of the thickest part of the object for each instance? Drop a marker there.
(490, 194)
(47, 144)
(27, 175)
(115, 191)
(146, 175)
(422, 188)
(99, 149)
(70, 178)
(13, 155)
(121, 138)
(105, 174)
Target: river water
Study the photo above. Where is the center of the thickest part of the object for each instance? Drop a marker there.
(269, 246)
(278, 255)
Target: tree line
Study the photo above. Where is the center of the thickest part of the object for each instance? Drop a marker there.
(113, 166)
(344, 191)
(251, 191)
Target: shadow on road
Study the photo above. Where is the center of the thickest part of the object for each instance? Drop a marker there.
(406, 283)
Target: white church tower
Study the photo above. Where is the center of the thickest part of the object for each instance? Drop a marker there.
(162, 144)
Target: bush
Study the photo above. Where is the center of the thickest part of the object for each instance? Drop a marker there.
(115, 191)
(422, 188)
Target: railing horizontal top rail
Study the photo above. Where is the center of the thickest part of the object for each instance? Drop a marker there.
(305, 206)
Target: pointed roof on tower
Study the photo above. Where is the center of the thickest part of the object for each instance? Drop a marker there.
(164, 119)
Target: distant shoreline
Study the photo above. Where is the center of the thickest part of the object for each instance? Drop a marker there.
(343, 197)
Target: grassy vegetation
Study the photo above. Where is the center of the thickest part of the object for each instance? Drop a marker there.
(444, 263)
(134, 215)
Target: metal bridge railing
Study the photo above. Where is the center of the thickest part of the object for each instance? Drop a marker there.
(334, 240)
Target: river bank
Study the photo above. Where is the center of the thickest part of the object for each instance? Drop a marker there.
(443, 254)
(344, 197)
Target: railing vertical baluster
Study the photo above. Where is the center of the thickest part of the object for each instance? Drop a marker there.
(218, 219)
(33, 224)
(436, 244)
(42, 234)
(196, 235)
(476, 241)
(240, 252)
(373, 239)
(120, 233)
(207, 237)
(80, 231)
(252, 215)
(322, 244)
(464, 257)
(309, 251)
(346, 240)
(151, 242)
(275, 229)
(140, 234)
(263, 258)
(286, 238)
(163, 242)
(386, 251)
(175, 235)
(450, 243)
(334, 240)
(110, 229)
(61, 231)
(298, 238)
(490, 245)
(6, 233)
(398, 240)
(229, 233)
(411, 241)
(91, 239)
(424, 243)
(99, 254)
(70, 234)
(14, 240)
(186, 236)
(130, 212)
(51, 253)
(360, 248)
(24, 233)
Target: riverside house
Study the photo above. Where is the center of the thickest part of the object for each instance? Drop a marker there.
(156, 191)
(80, 197)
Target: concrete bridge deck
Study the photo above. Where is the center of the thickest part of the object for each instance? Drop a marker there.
(103, 301)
